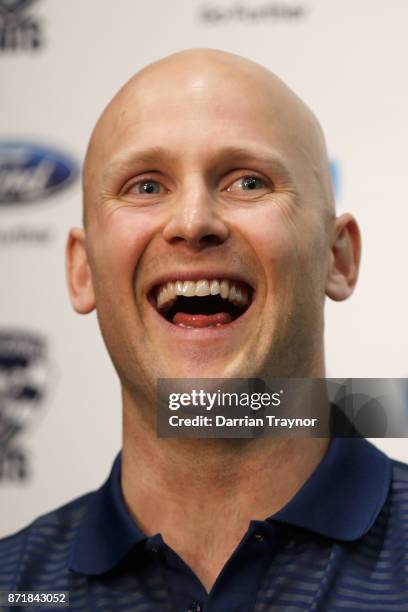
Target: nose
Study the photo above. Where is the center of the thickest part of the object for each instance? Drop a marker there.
(195, 221)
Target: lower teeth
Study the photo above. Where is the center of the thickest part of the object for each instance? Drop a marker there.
(192, 326)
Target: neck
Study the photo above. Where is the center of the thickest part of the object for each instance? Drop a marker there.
(202, 494)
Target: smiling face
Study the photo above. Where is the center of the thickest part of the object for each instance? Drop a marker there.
(208, 225)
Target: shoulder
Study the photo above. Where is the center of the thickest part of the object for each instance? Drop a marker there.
(400, 471)
(392, 522)
(399, 485)
(384, 548)
(48, 539)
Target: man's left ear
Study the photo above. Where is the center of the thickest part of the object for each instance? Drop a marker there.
(344, 258)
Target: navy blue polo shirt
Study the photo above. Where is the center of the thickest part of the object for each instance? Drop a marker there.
(339, 544)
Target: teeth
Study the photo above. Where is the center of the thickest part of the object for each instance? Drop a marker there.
(202, 288)
(232, 296)
(215, 287)
(171, 291)
(224, 289)
(189, 288)
(237, 296)
(168, 293)
(178, 286)
(160, 297)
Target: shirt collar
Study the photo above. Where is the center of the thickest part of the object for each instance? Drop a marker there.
(341, 500)
(345, 494)
(107, 531)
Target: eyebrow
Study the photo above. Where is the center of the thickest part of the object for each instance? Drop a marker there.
(127, 160)
(234, 154)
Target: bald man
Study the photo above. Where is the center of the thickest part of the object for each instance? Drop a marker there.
(206, 179)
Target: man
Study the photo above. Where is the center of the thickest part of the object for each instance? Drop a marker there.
(207, 174)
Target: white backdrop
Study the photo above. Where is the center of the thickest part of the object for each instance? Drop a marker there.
(346, 59)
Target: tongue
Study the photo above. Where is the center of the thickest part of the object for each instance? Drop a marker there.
(201, 320)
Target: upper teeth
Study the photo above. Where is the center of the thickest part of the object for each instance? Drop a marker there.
(227, 289)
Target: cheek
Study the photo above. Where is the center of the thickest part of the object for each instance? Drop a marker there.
(289, 250)
(118, 243)
(274, 241)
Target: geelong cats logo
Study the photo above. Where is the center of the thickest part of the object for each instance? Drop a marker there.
(24, 378)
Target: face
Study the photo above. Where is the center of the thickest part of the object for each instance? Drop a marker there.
(206, 243)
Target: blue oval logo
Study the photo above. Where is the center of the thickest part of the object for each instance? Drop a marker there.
(30, 172)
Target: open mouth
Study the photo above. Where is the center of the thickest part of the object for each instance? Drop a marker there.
(202, 303)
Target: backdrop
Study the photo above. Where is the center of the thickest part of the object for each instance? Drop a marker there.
(60, 63)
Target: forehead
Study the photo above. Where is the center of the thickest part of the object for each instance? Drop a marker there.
(217, 94)
(198, 113)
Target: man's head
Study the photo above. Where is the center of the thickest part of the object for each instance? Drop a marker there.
(205, 166)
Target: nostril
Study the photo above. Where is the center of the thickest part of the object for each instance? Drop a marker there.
(210, 240)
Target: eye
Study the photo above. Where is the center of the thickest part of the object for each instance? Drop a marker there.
(146, 187)
(248, 183)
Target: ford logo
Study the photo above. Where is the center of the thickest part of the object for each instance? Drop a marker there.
(31, 172)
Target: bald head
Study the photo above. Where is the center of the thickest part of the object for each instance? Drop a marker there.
(200, 81)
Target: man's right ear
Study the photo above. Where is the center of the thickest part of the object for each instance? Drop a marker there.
(78, 272)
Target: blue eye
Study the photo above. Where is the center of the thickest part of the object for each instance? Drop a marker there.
(147, 187)
(252, 182)
(248, 183)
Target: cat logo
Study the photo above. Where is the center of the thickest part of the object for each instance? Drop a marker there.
(19, 31)
(24, 381)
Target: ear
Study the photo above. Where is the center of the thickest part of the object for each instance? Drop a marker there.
(344, 258)
(78, 273)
